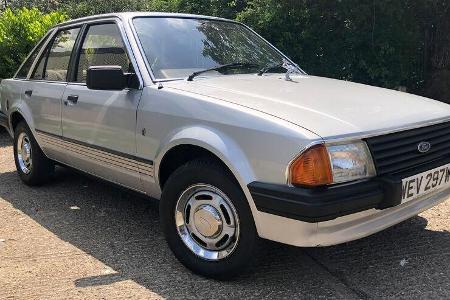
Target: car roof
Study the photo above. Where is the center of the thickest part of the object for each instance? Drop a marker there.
(130, 15)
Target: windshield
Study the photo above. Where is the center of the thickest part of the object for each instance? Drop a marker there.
(177, 47)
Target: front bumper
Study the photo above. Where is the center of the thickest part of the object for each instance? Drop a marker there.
(343, 229)
(314, 205)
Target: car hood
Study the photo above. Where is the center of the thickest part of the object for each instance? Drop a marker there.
(328, 107)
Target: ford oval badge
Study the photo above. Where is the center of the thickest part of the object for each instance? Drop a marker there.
(424, 147)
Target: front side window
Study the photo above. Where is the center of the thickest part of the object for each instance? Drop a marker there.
(54, 62)
(177, 47)
(102, 46)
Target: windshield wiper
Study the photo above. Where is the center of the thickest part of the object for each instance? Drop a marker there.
(271, 67)
(285, 64)
(223, 67)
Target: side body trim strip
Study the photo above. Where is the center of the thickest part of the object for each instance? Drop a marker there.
(100, 154)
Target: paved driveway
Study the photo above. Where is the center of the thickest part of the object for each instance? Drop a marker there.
(78, 237)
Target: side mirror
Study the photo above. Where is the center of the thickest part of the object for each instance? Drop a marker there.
(110, 78)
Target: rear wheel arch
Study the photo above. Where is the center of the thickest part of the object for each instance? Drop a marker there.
(15, 118)
(18, 116)
(33, 166)
(20, 111)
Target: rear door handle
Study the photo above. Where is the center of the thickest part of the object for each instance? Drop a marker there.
(71, 100)
(28, 93)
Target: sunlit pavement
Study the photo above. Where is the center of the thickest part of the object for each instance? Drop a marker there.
(78, 237)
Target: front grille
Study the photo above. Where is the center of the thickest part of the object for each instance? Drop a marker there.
(399, 151)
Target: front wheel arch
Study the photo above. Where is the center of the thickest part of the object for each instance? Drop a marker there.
(182, 154)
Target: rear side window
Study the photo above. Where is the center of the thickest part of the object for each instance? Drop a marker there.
(54, 62)
(38, 72)
(23, 71)
(102, 46)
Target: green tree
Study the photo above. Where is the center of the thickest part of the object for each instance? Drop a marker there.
(20, 30)
(353, 39)
(83, 8)
(220, 8)
(388, 43)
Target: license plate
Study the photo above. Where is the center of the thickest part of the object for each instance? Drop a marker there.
(426, 182)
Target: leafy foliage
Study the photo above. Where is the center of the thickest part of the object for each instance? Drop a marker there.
(83, 8)
(376, 42)
(385, 42)
(220, 8)
(20, 30)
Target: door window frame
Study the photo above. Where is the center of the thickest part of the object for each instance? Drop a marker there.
(50, 36)
(73, 65)
(46, 51)
(42, 44)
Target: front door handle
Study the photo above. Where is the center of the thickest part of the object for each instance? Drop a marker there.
(71, 100)
(28, 93)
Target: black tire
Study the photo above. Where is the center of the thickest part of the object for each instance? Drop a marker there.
(211, 173)
(41, 167)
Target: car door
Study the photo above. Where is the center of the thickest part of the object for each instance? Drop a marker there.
(44, 89)
(11, 89)
(100, 125)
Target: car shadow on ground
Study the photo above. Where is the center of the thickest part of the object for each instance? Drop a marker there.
(121, 229)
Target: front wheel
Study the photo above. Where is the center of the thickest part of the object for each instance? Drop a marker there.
(207, 221)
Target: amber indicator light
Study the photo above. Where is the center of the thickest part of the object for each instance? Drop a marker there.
(312, 168)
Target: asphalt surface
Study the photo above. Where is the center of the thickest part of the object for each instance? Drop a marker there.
(81, 238)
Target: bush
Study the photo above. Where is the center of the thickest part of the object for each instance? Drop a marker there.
(82, 8)
(20, 30)
(385, 43)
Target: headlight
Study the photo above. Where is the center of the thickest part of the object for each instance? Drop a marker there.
(350, 161)
(334, 163)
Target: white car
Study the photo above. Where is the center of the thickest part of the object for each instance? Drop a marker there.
(233, 137)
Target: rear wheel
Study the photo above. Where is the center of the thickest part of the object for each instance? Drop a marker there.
(33, 166)
(207, 221)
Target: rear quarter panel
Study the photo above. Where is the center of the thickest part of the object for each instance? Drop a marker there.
(10, 97)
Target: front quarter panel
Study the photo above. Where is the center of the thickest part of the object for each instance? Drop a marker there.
(255, 146)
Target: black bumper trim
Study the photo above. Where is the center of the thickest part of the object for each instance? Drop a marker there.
(4, 120)
(327, 203)
(316, 205)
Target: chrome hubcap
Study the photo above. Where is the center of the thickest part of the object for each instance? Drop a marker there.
(207, 222)
(24, 153)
